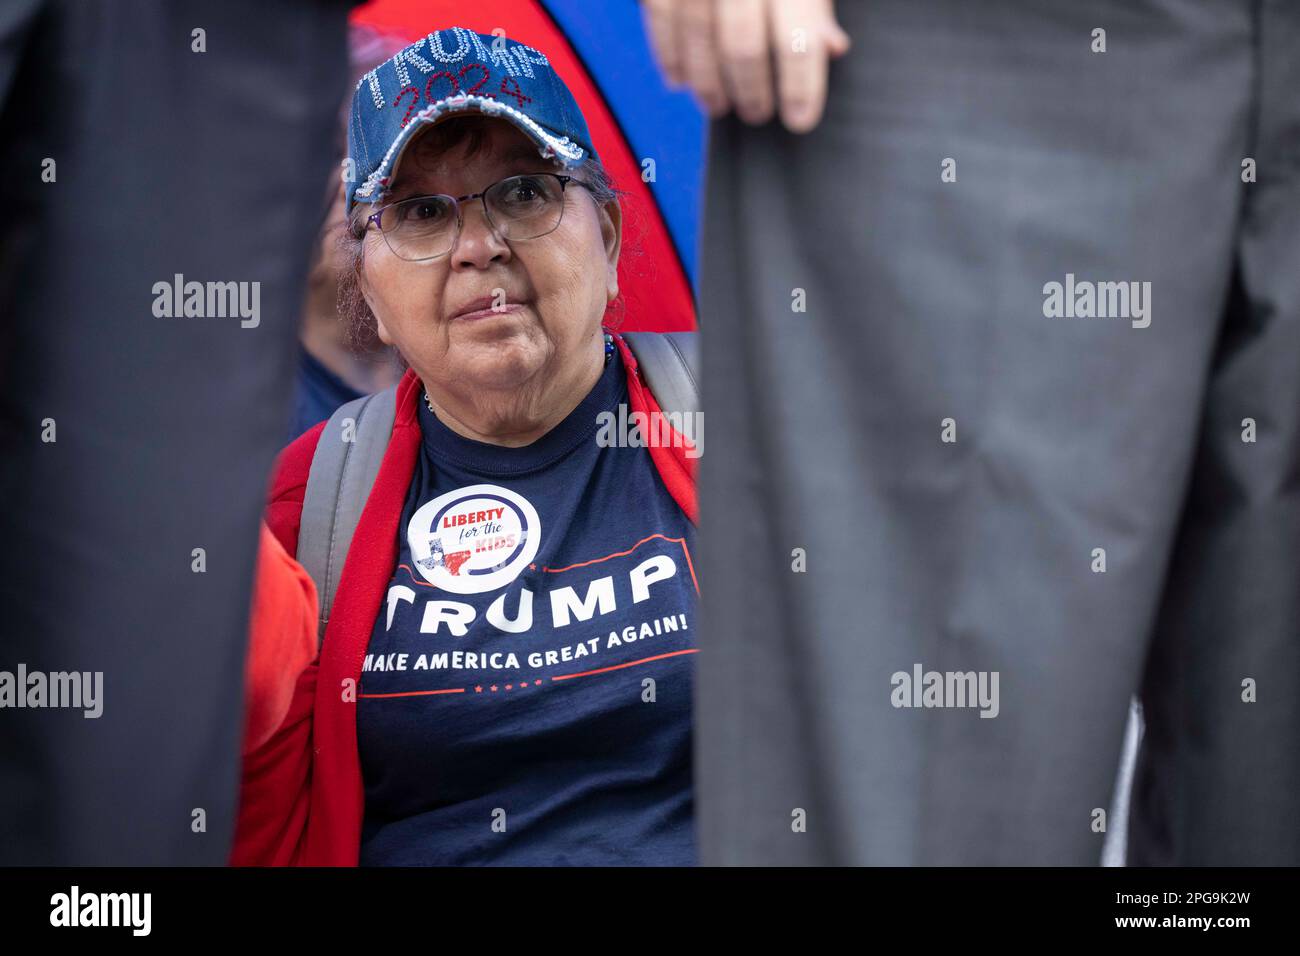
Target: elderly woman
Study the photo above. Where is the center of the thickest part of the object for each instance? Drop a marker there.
(506, 675)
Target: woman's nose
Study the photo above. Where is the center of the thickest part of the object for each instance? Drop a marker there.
(478, 243)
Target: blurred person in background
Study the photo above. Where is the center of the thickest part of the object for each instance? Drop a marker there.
(333, 366)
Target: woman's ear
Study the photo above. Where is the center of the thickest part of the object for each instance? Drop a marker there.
(611, 233)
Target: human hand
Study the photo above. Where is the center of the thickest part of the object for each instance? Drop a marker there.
(749, 54)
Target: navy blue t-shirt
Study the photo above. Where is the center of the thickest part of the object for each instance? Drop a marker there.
(526, 693)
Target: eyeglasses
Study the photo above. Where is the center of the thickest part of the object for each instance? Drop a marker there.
(520, 207)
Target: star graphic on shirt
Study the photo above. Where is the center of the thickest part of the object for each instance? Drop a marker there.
(478, 689)
(494, 686)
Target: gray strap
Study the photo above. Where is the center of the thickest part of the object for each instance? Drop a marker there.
(338, 485)
(669, 364)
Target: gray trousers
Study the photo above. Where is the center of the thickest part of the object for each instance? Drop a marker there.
(893, 400)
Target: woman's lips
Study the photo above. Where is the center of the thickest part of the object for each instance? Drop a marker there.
(489, 312)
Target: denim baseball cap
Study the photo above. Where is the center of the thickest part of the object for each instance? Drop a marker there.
(457, 71)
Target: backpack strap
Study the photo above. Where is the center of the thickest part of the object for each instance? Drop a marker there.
(343, 469)
(669, 363)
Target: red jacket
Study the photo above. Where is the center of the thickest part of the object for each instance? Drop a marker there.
(301, 796)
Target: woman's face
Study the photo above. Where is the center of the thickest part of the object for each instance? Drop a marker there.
(555, 287)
